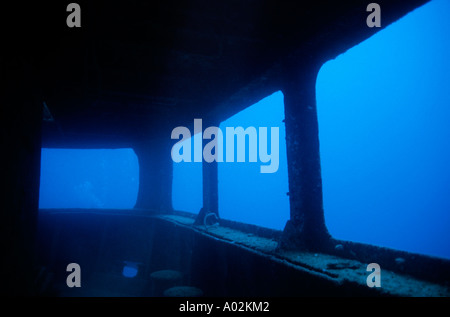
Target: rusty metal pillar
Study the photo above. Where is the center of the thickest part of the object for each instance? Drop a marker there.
(210, 187)
(306, 228)
(155, 175)
(210, 181)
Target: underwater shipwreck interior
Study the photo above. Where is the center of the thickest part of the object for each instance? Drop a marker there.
(124, 79)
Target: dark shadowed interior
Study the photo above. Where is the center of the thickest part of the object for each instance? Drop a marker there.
(131, 73)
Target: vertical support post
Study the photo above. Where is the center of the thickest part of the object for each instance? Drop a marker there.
(210, 183)
(306, 227)
(210, 187)
(155, 175)
(20, 162)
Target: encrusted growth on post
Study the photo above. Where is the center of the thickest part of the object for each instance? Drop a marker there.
(306, 227)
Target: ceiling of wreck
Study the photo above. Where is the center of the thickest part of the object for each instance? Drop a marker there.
(141, 68)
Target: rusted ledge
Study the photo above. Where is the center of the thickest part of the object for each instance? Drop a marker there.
(331, 267)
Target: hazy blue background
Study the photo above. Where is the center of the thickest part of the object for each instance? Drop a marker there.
(187, 187)
(384, 122)
(88, 178)
(384, 114)
(245, 194)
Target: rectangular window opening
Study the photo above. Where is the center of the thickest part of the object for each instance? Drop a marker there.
(383, 110)
(88, 178)
(253, 188)
(187, 184)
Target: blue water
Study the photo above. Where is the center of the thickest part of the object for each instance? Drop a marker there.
(72, 178)
(384, 129)
(384, 122)
(246, 194)
(187, 186)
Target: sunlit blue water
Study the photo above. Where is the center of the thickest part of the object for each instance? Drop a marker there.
(384, 119)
